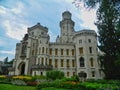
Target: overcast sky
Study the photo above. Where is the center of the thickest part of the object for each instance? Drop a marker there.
(17, 15)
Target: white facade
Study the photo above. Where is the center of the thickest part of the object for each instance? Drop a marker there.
(73, 52)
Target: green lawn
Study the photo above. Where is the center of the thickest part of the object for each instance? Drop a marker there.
(14, 87)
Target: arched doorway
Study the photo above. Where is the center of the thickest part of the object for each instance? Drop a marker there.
(21, 68)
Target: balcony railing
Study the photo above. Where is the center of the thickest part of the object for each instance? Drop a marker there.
(41, 66)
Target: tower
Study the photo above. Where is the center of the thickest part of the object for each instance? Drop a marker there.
(67, 27)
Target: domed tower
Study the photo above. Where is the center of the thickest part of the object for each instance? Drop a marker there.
(67, 27)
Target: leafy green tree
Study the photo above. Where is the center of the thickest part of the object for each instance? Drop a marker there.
(54, 74)
(108, 24)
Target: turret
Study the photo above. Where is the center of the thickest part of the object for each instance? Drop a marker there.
(67, 27)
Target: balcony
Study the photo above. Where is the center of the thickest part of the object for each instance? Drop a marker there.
(11, 69)
(42, 67)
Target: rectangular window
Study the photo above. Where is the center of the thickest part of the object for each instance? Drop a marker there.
(93, 73)
(56, 63)
(32, 52)
(90, 49)
(67, 63)
(42, 61)
(46, 61)
(50, 51)
(89, 40)
(67, 73)
(50, 61)
(73, 63)
(61, 62)
(39, 50)
(67, 51)
(61, 51)
(80, 41)
(91, 62)
(46, 50)
(42, 50)
(81, 50)
(73, 73)
(73, 52)
(38, 60)
(56, 51)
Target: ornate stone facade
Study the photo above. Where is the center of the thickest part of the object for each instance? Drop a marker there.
(73, 52)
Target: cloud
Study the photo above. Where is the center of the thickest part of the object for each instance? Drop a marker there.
(18, 9)
(2, 58)
(2, 42)
(15, 30)
(2, 10)
(13, 21)
(88, 18)
(7, 52)
(52, 36)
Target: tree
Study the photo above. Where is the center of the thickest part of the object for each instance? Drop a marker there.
(108, 24)
(55, 74)
(6, 60)
(11, 61)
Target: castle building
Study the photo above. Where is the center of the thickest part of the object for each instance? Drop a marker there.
(73, 52)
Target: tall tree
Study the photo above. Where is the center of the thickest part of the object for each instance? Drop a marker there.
(108, 24)
(108, 17)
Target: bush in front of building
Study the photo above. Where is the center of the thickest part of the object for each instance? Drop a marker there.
(70, 85)
(18, 82)
(100, 86)
(5, 79)
(59, 84)
(73, 78)
(54, 74)
(24, 78)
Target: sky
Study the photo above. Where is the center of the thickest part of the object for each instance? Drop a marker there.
(17, 15)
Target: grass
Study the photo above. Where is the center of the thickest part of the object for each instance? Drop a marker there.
(13, 87)
(52, 88)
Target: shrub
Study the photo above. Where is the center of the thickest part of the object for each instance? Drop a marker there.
(2, 77)
(32, 83)
(74, 78)
(54, 74)
(19, 82)
(59, 84)
(24, 78)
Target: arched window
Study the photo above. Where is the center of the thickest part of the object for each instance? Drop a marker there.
(82, 62)
(91, 62)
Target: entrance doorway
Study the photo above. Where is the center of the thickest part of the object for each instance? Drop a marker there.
(21, 68)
